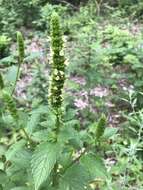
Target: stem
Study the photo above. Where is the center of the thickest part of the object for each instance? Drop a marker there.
(55, 175)
(57, 123)
(27, 137)
(98, 5)
(6, 164)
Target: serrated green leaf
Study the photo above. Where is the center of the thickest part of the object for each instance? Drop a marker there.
(43, 161)
(14, 149)
(11, 74)
(50, 120)
(70, 134)
(8, 60)
(23, 118)
(32, 56)
(75, 178)
(22, 158)
(18, 175)
(70, 114)
(72, 123)
(95, 166)
(41, 135)
(109, 132)
(3, 177)
(8, 186)
(34, 119)
(66, 158)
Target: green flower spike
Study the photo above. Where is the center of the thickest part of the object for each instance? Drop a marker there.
(57, 64)
(100, 128)
(21, 54)
(20, 44)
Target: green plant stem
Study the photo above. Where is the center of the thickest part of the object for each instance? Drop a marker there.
(6, 164)
(55, 175)
(57, 123)
(27, 137)
(17, 76)
(98, 5)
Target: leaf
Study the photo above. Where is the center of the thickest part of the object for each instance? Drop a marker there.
(22, 158)
(50, 120)
(66, 158)
(20, 188)
(8, 60)
(11, 74)
(70, 134)
(3, 177)
(95, 166)
(33, 56)
(9, 185)
(70, 114)
(2, 149)
(72, 123)
(109, 132)
(14, 149)
(75, 178)
(18, 175)
(23, 118)
(43, 161)
(41, 135)
(34, 119)
(33, 122)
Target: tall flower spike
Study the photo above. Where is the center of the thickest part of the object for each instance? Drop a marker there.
(20, 43)
(57, 64)
(21, 54)
(100, 128)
